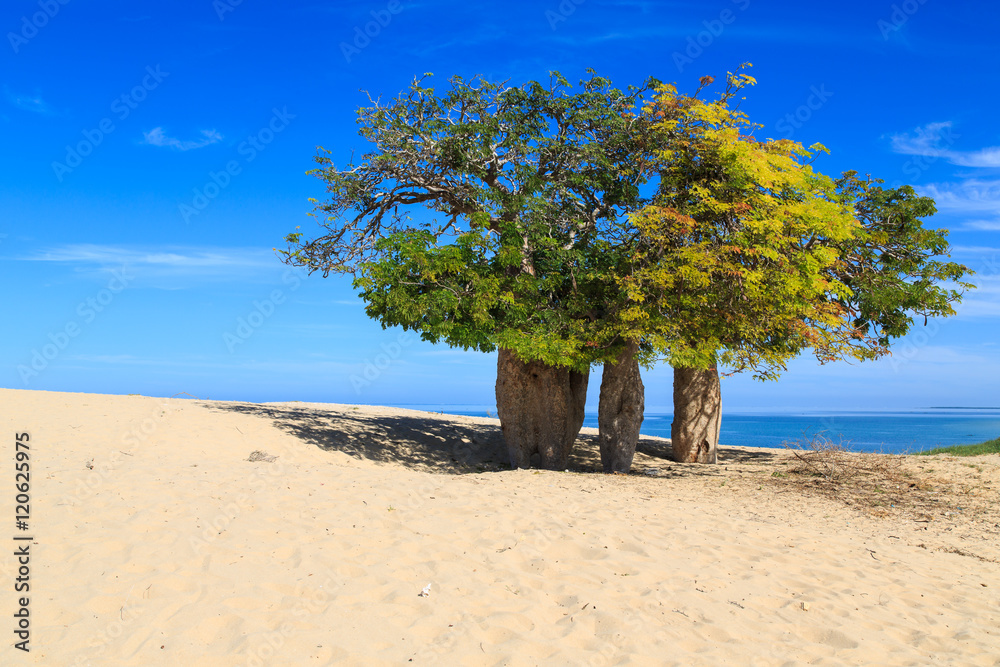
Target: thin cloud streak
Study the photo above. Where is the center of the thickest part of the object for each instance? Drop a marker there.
(86, 253)
(31, 103)
(157, 137)
(983, 225)
(288, 367)
(978, 308)
(970, 196)
(974, 249)
(935, 139)
(168, 268)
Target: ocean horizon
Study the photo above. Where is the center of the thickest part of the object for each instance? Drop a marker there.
(885, 431)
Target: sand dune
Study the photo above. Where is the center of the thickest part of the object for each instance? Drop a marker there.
(157, 542)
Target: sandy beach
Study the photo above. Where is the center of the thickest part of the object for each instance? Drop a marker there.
(190, 532)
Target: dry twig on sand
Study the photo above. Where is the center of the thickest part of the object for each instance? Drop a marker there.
(835, 463)
(874, 482)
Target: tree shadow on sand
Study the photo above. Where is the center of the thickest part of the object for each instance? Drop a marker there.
(447, 444)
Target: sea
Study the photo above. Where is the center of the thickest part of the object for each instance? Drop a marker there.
(896, 432)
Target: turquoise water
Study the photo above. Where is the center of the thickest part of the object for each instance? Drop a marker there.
(889, 432)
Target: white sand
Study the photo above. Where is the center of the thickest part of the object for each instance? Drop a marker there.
(174, 549)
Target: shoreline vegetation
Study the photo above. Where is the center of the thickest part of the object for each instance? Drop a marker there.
(204, 529)
(988, 447)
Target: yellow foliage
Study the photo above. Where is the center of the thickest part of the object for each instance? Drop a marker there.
(725, 270)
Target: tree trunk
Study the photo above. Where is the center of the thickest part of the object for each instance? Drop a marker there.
(621, 411)
(697, 415)
(540, 409)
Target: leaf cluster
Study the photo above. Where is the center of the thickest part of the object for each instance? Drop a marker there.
(527, 178)
(747, 256)
(744, 255)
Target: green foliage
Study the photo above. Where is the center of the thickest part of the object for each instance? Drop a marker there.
(745, 256)
(889, 264)
(988, 447)
(526, 178)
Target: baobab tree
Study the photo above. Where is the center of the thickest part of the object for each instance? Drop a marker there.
(525, 179)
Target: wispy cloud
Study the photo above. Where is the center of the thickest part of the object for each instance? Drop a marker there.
(978, 308)
(169, 267)
(936, 139)
(945, 355)
(677, 32)
(976, 196)
(157, 137)
(969, 196)
(338, 366)
(984, 300)
(976, 249)
(32, 103)
(985, 157)
(983, 225)
(987, 281)
(85, 253)
(926, 140)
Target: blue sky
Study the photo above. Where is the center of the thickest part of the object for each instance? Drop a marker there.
(154, 156)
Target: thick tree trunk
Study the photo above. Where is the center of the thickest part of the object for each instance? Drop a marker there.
(620, 412)
(697, 415)
(540, 409)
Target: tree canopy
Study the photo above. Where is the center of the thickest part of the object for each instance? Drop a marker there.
(747, 256)
(526, 178)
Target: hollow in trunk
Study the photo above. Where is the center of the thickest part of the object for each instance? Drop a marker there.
(697, 415)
